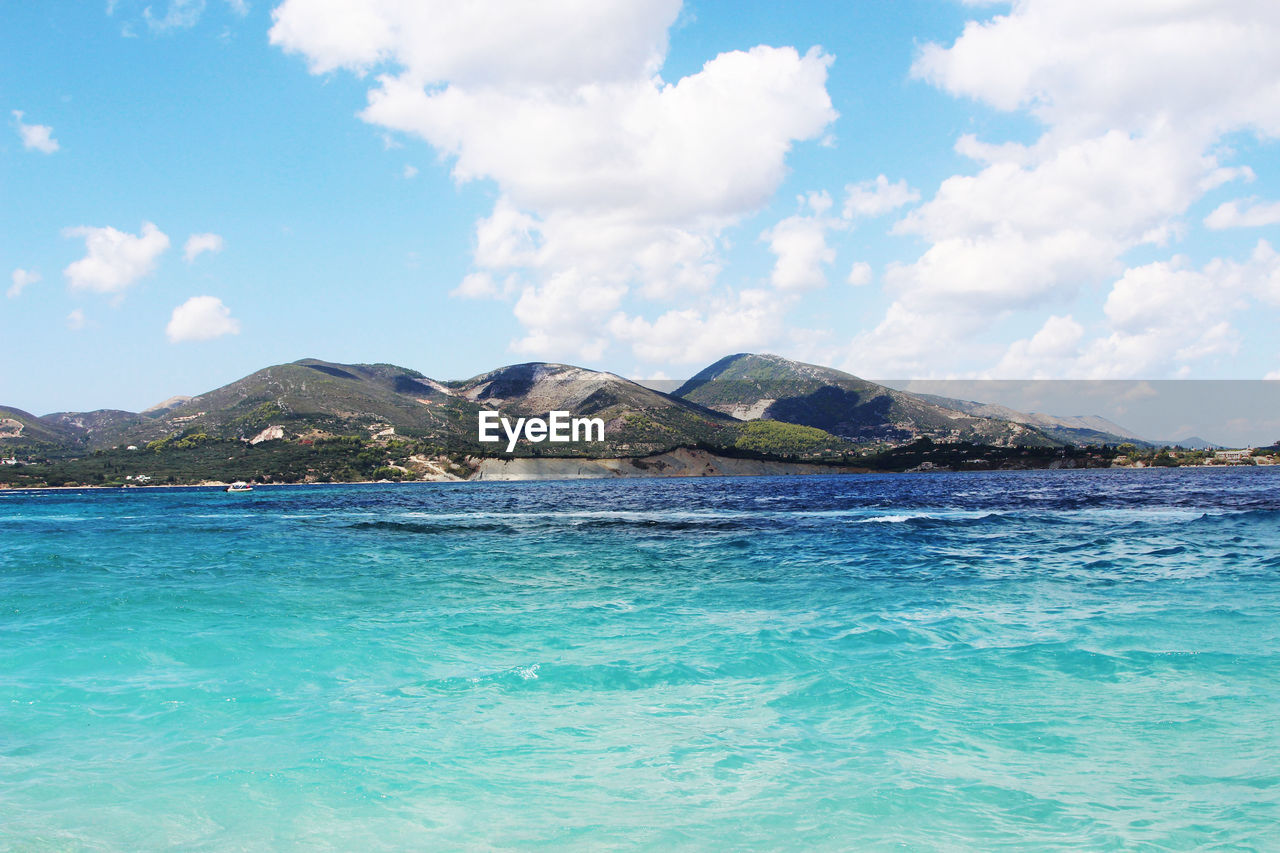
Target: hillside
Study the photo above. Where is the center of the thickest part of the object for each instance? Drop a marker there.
(19, 429)
(1078, 429)
(749, 387)
(312, 399)
(637, 419)
(319, 418)
(313, 396)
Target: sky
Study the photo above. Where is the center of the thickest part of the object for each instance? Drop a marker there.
(924, 189)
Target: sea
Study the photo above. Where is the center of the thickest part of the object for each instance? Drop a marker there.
(1052, 660)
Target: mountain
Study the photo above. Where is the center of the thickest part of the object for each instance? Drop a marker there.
(98, 427)
(164, 406)
(305, 398)
(637, 419)
(751, 386)
(311, 399)
(1193, 442)
(747, 403)
(1077, 429)
(19, 428)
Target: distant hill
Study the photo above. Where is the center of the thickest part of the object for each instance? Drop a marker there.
(23, 428)
(306, 397)
(311, 398)
(1193, 442)
(1077, 429)
(637, 419)
(750, 386)
(747, 403)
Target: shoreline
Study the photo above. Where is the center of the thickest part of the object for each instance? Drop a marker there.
(617, 469)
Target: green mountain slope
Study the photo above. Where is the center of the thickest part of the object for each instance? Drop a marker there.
(1078, 429)
(313, 396)
(746, 403)
(20, 429)
(750, 386)
(637, 419)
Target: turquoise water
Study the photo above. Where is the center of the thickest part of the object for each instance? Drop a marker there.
(1044, 660)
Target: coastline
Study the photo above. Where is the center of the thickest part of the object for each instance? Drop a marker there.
(678, 463)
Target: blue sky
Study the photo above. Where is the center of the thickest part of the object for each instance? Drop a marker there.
(903, 190)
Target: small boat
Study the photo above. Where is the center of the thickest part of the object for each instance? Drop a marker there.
(239, 486)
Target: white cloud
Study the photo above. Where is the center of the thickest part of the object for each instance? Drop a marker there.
(1042, 355)
(488, 42)
(178, 15)
(747, 320)
(1162, 318)
(1135, 100)
(1086, 67)
(201, 318)
(1015, 235)
(198, 244)
(860, 274)
(239, 7)
(1253, 214)
(21, 278)
(76, 320)
(876, 198)
(35, 137)
(612, 183)
(800, 245)
(410, 171)
(114, 259)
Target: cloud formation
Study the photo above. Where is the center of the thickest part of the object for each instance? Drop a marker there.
(35, 137)
(114, 259)
(198, 244)
(800, 245)
(860, 274)
(1243, 213)
(1133, 100)
(614, 186)
(201, 318)
(21, 278)
(877, 197)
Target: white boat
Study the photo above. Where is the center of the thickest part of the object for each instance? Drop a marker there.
(239, 486)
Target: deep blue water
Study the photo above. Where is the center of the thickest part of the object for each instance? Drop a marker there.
(1037, 660)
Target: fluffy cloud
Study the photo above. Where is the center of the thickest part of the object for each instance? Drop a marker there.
(614, 186)
(201, 318)
(21, 278)
(1090, 66)
(800, 245)
(876, 198)
(1042, 355)
(1161, 317)
(1134, 100)
(197, 244)
(1243, 214)
(35, 137)
(114, 259)
(743, 321)
(1018, 233)
(860, 274)
(76, 320)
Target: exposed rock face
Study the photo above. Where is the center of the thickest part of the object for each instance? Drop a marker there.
(271, 433)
